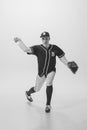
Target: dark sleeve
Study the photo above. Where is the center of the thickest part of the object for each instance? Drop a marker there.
(34, 50)
(59, 52)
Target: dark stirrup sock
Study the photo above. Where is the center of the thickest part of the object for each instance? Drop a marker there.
(31, 91)
(49, 91)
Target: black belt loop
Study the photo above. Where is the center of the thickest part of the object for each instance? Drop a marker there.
(45, 75)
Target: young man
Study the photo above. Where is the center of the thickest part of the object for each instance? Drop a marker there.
(46, 55)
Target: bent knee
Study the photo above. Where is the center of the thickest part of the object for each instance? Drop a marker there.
(36, 88)
(49, 84)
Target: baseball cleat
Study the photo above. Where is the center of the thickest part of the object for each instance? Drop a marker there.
(48, 108)
(28, 97)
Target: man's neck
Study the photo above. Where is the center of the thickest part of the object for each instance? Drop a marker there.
(46, 45)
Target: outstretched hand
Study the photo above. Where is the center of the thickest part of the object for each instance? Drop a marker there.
(16, 39)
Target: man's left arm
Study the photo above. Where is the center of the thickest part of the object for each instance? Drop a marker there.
(71, 65)
(64, 60)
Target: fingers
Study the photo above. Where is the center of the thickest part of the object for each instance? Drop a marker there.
(16, 39)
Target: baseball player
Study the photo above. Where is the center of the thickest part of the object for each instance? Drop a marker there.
(46, 56)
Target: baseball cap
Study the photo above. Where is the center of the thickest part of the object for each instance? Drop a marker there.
(45, 34)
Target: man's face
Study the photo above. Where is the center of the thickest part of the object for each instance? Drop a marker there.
(45, 40)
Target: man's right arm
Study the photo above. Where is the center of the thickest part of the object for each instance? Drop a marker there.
(22, 45)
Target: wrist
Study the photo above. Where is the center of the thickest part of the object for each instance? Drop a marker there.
(68, 64)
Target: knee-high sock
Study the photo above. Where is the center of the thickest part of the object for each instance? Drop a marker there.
(49, 91)
(31, 91)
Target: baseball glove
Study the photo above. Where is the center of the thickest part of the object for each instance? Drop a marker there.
(73, 66)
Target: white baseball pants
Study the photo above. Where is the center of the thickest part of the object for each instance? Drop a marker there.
(40, 80)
